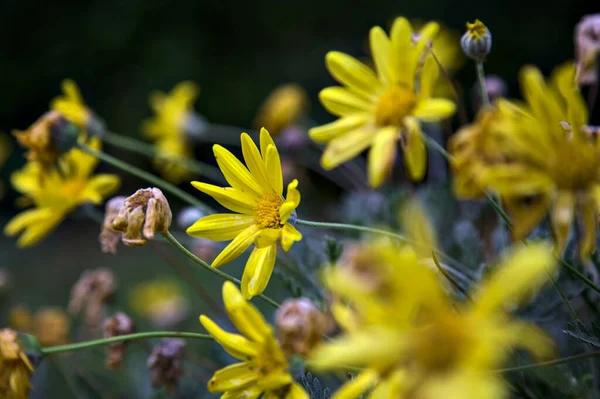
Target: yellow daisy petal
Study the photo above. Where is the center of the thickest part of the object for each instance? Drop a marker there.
(330, 131)
(382, 155)
(588, 212)
(99, 187)
(402, 61)
(380, 49)
(357, 386)
(258, 271)
(236, 173)
(528, 336)
(346, 147)
(341, 101)
(434, 109)
(235, 376)
(26, 219)
(515, 180)
(252, 392)
(525, 213)
(220, 227)
(428, 79)
(245, 317)
(265, 141)
(254, 160)
(415, 151)
(564, 78)
(273, 167)
(236, 345)
(292, 201)
(230, 198)
(289, 235)
(563, 213)
(354, 74)
(426, 35)
(236, 247)
(296, 392)
(275, 380)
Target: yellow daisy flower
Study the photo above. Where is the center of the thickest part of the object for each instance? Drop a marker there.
(57, 193)
(162, 301)
(282, 108)
(416, 341)
(377, 109)
(263, 367)
(538, 158)
(15, 367)
(168, 128)
(263, 215)
(72, 107)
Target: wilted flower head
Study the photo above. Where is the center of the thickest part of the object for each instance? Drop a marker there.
(587, 49)
(119, 324)
(15, 367)
(166, 363)
(477, 41)
(162, 301)
(145, 212)
(283, 107)
(72, 107)
(89, 294)
(109, 238)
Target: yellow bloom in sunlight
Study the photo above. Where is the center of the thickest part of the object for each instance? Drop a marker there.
(169, 128)
(262, 367)
(283, 107)
(263, 215)
(378, 109)
(72, 107)
(57, 193)
(162, 301)
(538, 158)
(428, 346)
(15, 367)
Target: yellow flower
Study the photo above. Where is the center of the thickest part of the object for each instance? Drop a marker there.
(428, 346)
(57, 193)
(263, 215)
(262, 367)
(163, 301)
(168, 128)
(282, 108)
(49, 325)
(446, 47)
(378, 109)
(72, 107)
(15, 367)
(538, 158)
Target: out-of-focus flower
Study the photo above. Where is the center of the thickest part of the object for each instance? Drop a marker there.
(204, 248)
(301, 326)
(72, 107)
(263, 367)
(587, 49)
(47, 139)
(263, 215)
(57, 193)
(283, 107)
(172, 126)
(91, 292)
(378, 110)
(162, 301)
(477, 41)
(495, 87)
(188, 215)
(5, 281)
(109, 238)
(15, 367)
(147, 211)
(119, 324)
(538, 158)
(166, 363)
(50, 326)
(415, 341)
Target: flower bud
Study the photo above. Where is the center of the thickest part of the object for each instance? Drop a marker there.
(300, 326)
(90, 293)
(119, 324)
(166, 363)
(587, 49)
(477, 41)
(145, 212)
(109, 238)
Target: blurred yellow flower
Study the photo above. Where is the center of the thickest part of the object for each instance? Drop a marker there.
(445, 45)
(15, 367)
(415, 341)
(168, 128)
(283, 107)
(377, 110)
(58, 192)
(263, 367)
(50, 326)
(72, 107)
(263, 215)
(538, 158)
(162, 301)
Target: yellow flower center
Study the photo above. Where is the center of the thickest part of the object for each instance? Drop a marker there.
(394, 105)
(476, 30)
(267, 211)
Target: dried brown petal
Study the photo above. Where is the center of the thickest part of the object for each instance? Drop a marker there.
(109, 238)
(166, 363)
(89, 294)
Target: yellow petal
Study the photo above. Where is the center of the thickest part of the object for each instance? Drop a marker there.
(289, 235)
(564, 77)
(426, 35)
(37, 223)
(230, 198)
(415, 151)
(434, 109)
(291, 202)
(515, 180)
(341, 101)
(244, 316)
(380, 49)
(357, 386)
(588, 213)
(265, 141)
(99, 187)
(296, 392)
(83, 164)
(220, 227)
(563, 213)
(352, 73)
(402, 54)
(252, 392)
(428, 78)
(235, 344)
(235, 173)
(273, 167)
(346, 147)
(275, 380)
(236, 247)
(235, 376)
(525, 213)
(71, 91)
(330, 131)
(528, 336)
(258, 271)
(254, 160)
(382, 155)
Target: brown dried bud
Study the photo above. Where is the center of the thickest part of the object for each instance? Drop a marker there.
(587, 49)
(166, 363)
(119, 324)
(301, 326)
(147, 211)
(109, 238)
(89, 294)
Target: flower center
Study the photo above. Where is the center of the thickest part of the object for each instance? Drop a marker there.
(395, 104)
(267, 212)
(576, 164)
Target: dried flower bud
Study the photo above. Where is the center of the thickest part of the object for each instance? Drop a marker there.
(301, 326)
(109, 238)
(119, 324)
(166, 363)
(145, 212)
(283, 107)
(51, 326)
(89, 294)
(494, 85)
(188, 216)
(587, 49)
(477, 41)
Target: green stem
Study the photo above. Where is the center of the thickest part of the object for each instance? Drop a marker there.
(122, 338)
(109, 159)
(580, 275)
(137, 146)
(481, 79)
(208, 267)
(551, 362)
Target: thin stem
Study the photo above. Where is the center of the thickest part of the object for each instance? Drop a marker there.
(481, 80)
(122, 338)
(551, 362)
(580, 275)
(462, 113)
(109, 159)
(450, 279)
(208, 267)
